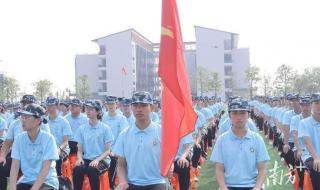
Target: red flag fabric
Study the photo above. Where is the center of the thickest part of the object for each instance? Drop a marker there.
(178, 116)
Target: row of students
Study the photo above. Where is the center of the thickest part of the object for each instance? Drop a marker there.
(293, 129)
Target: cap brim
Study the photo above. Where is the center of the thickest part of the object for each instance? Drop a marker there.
(141, 102)
(26, 113)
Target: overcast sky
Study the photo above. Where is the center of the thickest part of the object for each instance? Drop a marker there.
(40, 38)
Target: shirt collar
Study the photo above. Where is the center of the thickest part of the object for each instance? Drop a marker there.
(147, 130)
(314, 122)
(37, 141)
(94, 127)
(235, 137)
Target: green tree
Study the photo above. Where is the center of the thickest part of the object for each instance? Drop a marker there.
(10, 88)
(252, 75)
(266, 84)
(207, 81)
(284, 79)
(82, 87)
(42, 89)
(215, 82)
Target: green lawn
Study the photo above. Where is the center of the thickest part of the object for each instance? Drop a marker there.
(207, 180)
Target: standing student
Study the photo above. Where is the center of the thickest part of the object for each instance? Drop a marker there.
(138, 149)
(240, 154)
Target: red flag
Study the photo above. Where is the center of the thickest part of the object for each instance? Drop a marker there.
(178, 116)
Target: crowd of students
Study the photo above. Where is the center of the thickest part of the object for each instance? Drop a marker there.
(122, 136)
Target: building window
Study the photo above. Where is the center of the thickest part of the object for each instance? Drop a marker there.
(227, 70)
(227, 45)
(228, 83)
(227, 58)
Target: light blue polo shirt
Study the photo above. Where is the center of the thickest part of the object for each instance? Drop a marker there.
(154, 117)
(294, 126)
(226, 125)
(59, 128)
(3, 128)
(32, 156)
(94, 139)
(117, 124)
(207, 113)
(131, 120)
(184, 141)
(201, 120)
(15, 129)
(141, 150)
(75, 123)
(240, 157)
(287, 121)
(309, 127)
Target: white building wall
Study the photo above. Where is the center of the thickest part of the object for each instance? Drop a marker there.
(88, 65)
(240, 64)
(118, 55)
(210, 53)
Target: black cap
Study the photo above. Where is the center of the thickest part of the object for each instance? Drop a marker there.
(142, 97)
(65, 102)
(52, 100)
(76, 102)
(126, 102)
(315, 97)
(111, 99)
(28, 99)
(34, 110)
(239, 105)
(305, 100)
(94, 104)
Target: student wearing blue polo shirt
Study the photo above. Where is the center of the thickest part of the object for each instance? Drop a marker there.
(240, 154)
(138, 149)
(60, 129)
(182, 162)
(34, 152)
(94, 141)
(75, 119)
(3, 128)
(14, 130)
(156, 107)
(64, 108)
(288, 137)
(301, 153)
(309, 130)
(117, 122)
(127, 111)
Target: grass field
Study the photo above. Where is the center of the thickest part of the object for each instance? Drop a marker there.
(207, 180)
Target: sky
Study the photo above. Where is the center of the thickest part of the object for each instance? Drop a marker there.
(40, 38)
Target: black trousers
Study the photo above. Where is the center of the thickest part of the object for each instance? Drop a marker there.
(25, 186)
(289, 157)
(315, 176)
(5, 172)
(147, 187)
(196, 156)
(210, 136)
(240, 188)
(62, 157)
(184, 176)
(73, 147)
(92, 173)
(112, 171)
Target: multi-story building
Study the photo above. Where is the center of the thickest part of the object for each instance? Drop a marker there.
(128, 62)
